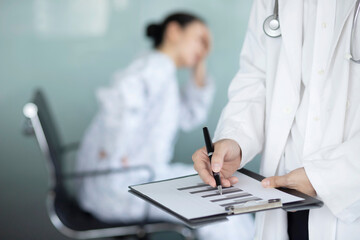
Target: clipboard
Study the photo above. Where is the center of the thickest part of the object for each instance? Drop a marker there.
(301, 202)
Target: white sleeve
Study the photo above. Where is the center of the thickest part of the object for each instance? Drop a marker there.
(195, 103)
(334, 173)
(242, 119)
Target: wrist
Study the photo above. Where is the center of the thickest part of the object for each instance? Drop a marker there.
(199, 75)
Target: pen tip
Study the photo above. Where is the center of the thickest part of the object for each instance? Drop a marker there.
(220, 189)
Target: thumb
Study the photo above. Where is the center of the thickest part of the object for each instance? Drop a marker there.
(274, 182)
(217, 159)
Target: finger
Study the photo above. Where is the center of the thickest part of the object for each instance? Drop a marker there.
(228, 182)
(276, 181)
(201, 160)
(207, 177)
(205, 40)
(217, 159)
(198, 155)
(206, 45)
(202, 166)
(208, 40)
(233, 180)
(225, 182)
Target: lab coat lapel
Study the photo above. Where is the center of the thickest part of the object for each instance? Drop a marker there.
(342, 15)
(286, 85)
(291, 23)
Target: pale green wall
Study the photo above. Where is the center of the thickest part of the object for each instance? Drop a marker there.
(43, 44)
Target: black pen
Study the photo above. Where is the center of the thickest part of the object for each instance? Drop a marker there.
(210, 150)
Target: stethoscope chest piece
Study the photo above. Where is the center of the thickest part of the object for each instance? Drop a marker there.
(272, 26)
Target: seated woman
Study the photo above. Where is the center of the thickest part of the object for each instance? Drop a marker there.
(139, 117)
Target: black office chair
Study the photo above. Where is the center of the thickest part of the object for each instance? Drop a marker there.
(63, 210)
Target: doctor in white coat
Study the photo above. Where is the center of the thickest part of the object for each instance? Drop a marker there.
(296, 100)
(137, 123)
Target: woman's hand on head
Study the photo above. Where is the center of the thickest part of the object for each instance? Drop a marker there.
(200, 73)
(199, 70)
(207, 43)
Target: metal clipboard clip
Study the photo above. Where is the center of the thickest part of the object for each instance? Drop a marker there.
(252, 206)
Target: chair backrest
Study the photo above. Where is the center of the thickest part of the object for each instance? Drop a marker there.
(44, 127)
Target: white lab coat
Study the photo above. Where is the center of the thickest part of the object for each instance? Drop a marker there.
(263, 99)
(139, 117)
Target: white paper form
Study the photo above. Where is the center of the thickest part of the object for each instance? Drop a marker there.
(191, 198)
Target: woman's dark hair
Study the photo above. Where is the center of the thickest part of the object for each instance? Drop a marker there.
(156, 31)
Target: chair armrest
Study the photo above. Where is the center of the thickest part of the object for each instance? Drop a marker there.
(97, 173)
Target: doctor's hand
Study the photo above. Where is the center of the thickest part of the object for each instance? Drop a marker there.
(296, 179)
(225, 159)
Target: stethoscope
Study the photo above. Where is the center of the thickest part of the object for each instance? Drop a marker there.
(272, 27)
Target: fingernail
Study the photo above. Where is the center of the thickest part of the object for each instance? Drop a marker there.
(216, 167)
(266, 183)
